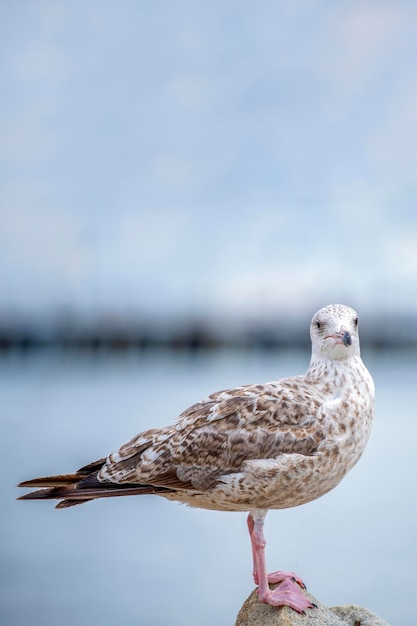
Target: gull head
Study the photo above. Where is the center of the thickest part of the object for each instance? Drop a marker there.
(334, 333)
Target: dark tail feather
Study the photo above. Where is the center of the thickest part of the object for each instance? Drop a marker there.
(55, 493)
(65, 504)
(88, 488)
(82, 486)
(52, 481)
(65, 479)
(42, 494)
(140, 490)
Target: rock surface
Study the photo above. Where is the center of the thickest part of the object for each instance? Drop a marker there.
(256, 613)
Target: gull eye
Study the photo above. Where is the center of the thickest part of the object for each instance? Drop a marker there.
(356, 322)
(318, 325)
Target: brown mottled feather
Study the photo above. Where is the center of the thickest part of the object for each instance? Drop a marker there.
(214, 437)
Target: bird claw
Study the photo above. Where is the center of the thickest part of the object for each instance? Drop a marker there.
(299, 582)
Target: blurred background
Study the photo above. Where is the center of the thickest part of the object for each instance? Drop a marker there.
(182, 186)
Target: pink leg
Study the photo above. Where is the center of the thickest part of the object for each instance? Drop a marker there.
(288, 593)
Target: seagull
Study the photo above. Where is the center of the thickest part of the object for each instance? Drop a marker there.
(253, 448)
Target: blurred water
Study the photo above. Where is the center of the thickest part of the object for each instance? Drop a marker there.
(148, 561)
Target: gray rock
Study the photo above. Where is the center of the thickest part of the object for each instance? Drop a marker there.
(357, 616)
(256, 613)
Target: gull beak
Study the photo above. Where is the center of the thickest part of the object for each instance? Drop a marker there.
(342, 337)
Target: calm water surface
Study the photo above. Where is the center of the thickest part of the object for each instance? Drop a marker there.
(132, 561)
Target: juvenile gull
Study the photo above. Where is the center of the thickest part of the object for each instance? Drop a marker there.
(253, 448)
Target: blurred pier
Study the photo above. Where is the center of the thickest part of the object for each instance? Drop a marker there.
(116, 335)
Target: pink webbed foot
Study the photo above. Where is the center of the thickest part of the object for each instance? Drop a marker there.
(279, 577)
(287, 593)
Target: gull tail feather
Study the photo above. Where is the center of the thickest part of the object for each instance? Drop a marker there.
(73, 489)
(52, 481)
(65, 479)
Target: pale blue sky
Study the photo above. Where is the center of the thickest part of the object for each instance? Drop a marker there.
(231, 159)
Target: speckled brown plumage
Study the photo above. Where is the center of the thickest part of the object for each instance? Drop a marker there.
(252, 448)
